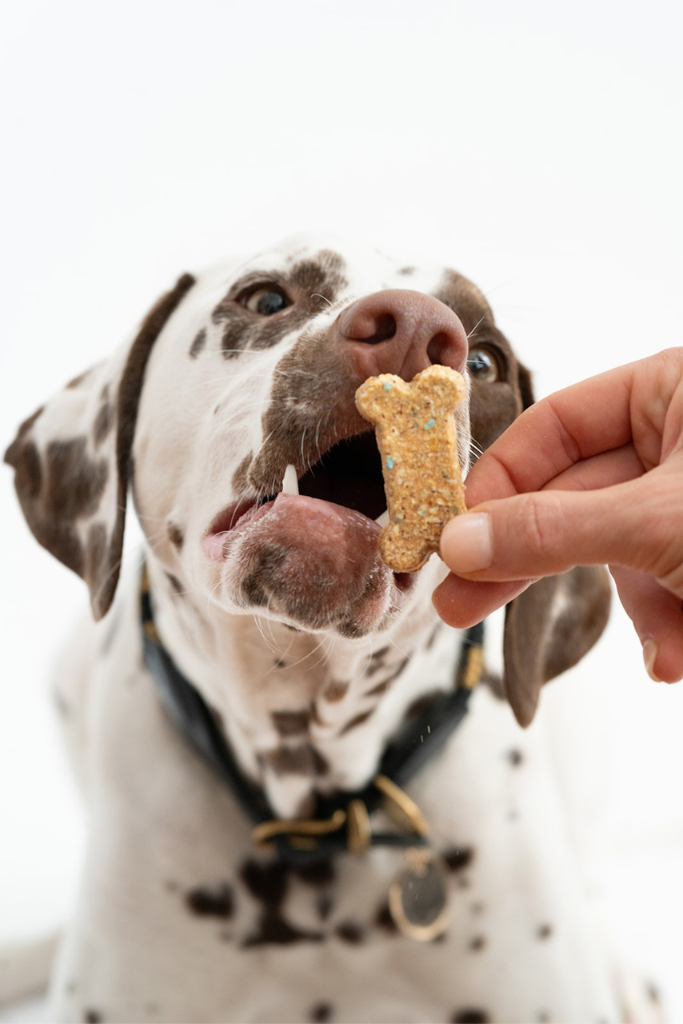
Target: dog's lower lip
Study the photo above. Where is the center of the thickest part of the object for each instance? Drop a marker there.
(214, 542)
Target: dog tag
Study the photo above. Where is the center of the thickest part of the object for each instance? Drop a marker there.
(418, 898)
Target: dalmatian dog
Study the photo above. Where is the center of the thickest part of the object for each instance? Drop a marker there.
(230, 418)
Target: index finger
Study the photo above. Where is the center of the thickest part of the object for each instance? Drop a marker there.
(572, 425)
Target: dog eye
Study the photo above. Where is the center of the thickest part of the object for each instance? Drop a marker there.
(266, 301)
(483, 366)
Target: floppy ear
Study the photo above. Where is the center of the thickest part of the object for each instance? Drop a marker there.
(550, 627)
(72, 459)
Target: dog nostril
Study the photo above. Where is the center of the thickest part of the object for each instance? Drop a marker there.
(436, 349)
(385, 328)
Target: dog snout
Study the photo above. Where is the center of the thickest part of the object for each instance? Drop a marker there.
(401, 332)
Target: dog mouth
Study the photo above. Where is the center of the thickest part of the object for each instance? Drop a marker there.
(347, 480)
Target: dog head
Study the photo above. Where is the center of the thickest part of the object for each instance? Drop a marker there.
(237, 374)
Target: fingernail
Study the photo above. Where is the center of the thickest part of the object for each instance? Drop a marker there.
(466, 542)
(650, 651)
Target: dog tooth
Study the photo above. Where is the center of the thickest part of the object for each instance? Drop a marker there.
(383, 519)
(290, 483)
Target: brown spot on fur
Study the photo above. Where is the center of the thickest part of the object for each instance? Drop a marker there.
(268, 884)
(74, 482)
(377, 661)
(323, 905)
(321, 1013)
(104, 421)
(77, 381)
(335, 691)
(216, 902)
(407, 271)
(544, 931)
(175, 584)
(92, 1017)
(420, 706)
(355, 722)
(384, 685)
(477, 943)
(301, 760)
(291, 723)
(351, 932)
(378, 690)
(323, 274)
(384, 919)
(458, 857)
(319, 872)
(175, 535)
(470, 1016)
(198, 344)
(274, 930)
(515, 757)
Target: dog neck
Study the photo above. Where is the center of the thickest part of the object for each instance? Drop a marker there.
(305, 713)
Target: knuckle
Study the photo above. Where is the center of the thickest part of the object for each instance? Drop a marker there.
(541, 524)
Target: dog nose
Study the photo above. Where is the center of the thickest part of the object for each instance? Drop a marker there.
(402, 332)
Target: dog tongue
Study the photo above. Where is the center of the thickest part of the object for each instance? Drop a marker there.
(318, 539)
(303, 525)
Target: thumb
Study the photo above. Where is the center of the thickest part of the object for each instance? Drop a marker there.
(633, 524)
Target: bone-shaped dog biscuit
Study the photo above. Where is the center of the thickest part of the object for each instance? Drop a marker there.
(417, 439)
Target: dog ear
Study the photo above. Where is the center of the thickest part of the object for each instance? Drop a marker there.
(72, 459)
(548, 629)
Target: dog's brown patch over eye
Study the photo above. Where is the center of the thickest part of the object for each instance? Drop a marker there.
(308, 288)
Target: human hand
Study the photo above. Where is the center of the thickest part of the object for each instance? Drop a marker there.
(591, 474)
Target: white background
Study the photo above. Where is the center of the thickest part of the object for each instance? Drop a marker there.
(535, 146)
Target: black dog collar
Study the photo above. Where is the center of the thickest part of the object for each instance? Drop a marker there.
(342, 821)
